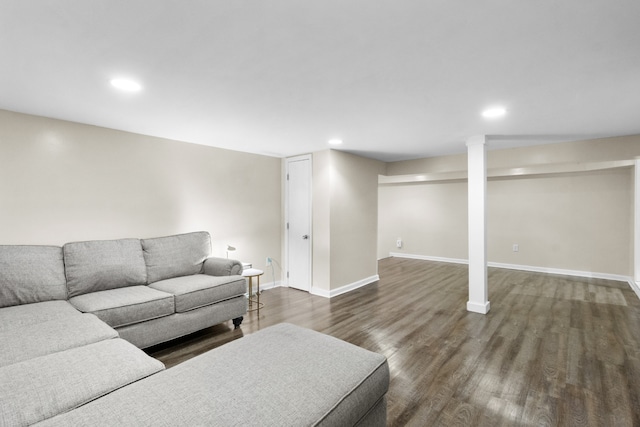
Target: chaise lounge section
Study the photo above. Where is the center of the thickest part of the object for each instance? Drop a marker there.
(281, 376)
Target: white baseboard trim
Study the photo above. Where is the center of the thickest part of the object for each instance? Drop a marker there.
(266, 286)
(270, 285)
(482, 308)
(429, 258)
(635, 286)
(576, 273)
(344, 289)
(560, 271)
(320, 292)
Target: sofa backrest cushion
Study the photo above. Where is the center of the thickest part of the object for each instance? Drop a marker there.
(99, 265)
(30, 274)
(174, 256)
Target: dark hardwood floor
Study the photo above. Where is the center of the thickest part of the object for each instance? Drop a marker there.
(553, 350)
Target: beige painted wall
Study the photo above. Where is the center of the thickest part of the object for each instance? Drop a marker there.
(454, 162)
(345, 221)
(321, 218)
(595, 150)
(354, 218)
(63, 181)
(579, 221)
(430, 218)
(571, 221)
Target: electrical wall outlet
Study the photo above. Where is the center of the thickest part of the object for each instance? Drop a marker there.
(516, 247)
(268, 261)
(399, 243)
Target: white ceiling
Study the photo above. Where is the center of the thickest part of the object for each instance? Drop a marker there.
(395, 79)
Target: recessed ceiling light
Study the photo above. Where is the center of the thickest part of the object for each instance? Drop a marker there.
(494, 112)
(126, 85)
(335, 141)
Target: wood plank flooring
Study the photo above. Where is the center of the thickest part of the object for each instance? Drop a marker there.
(553, 350)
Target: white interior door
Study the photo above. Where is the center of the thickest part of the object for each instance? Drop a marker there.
(298, 222)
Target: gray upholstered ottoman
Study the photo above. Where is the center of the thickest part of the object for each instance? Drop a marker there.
(281, 376)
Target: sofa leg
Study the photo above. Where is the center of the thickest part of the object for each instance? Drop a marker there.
(237, 321)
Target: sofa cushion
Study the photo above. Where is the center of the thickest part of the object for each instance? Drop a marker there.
(173, 256)
(40, 388)
(31, 274)
(124, 306)
(27, 342)
(281, 376)
(198, 290)
(99, 265)
(31, 314)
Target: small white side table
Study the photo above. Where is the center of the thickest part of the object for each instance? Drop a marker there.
(251, 273)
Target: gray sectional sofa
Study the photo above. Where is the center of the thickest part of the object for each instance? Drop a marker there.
(73, 320)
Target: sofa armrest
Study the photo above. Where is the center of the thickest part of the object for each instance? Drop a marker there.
(222, 267)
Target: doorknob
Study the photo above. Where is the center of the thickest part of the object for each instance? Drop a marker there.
(305, 237)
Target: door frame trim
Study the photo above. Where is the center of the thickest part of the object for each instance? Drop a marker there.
(288, 160)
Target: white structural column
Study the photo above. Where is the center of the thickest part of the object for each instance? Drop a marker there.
(636, 224)
(477, 188)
